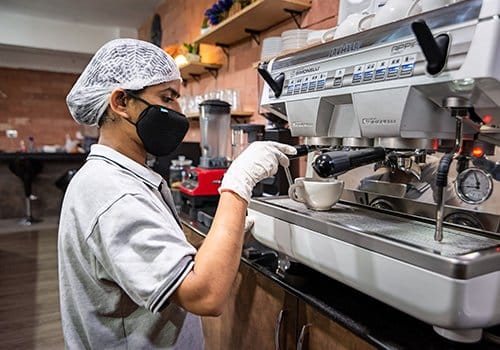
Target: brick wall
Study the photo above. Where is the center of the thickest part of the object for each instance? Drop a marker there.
(181, 22)
(33, 103)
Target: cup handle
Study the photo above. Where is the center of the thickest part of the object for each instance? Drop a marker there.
(360, 23)
(328, 35)
(412, 7)
(292, 192)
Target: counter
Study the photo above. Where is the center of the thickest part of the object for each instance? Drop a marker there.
(67, 157)
(54, 165)
(377, 323)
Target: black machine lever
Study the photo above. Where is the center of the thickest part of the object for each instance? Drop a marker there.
(493, 168)
(275, 84)
(337, 162)
(435, 49)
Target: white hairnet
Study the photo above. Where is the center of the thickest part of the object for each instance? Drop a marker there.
(121, 63)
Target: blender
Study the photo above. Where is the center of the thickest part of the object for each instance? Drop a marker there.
(200, 190)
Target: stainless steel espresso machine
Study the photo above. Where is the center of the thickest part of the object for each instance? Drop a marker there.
(393, 96)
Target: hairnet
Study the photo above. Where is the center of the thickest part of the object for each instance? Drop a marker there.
(121, 63)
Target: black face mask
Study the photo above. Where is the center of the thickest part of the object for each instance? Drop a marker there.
(160, 129)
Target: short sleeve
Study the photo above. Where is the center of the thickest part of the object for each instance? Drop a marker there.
(143, 249)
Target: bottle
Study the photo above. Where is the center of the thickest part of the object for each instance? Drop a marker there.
(31, 144)
(22, 146)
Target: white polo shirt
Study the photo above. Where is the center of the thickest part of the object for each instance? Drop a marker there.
(122, 254)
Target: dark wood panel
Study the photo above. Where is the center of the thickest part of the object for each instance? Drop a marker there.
(249, 317)
(322, 333)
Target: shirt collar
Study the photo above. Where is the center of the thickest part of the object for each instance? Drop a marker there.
(145, 173)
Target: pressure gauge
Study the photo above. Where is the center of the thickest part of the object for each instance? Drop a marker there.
(474, 185)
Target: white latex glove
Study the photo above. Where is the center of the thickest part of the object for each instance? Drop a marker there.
(249, 222)
(247, 230)
(258, 161)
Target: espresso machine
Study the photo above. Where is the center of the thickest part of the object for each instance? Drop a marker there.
(199, 191)
(394, 97)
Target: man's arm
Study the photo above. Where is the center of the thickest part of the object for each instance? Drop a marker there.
(206, 288)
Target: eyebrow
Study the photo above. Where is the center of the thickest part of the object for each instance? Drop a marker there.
(173, 91)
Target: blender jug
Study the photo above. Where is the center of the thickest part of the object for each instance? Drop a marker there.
(244, 134)
(215, 119)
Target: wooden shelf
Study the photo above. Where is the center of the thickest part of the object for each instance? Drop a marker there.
(236, 114)
(194, 70)
(255, 18)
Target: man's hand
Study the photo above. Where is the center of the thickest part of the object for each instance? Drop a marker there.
(259, 161)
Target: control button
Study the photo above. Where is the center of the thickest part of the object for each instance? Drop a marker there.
(358, 74)
(297, 86)
(305, 86)
(394, 67)
(408, 65)
(369, 71)
(381, 70)
(337, 82)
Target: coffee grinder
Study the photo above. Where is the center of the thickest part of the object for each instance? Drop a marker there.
(199, 191)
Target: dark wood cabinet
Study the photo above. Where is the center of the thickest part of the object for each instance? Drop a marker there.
(260, 314)
(317, 332)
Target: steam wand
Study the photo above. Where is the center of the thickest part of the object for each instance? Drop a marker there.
(459, 109)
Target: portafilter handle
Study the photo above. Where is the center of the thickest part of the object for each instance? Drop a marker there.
(302, 150)
(337, 162)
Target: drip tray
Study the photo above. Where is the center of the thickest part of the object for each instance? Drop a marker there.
(402, 230)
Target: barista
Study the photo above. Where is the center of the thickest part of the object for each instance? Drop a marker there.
(128, 278)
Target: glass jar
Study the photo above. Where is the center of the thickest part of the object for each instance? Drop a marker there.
(178, 171)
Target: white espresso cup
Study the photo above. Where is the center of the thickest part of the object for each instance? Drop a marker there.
(394, 10)
(429, 5)
(352, 24)
(316, 194)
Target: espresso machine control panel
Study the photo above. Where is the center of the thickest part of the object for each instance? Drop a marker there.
(388, 69)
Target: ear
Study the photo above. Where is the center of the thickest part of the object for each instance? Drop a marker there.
(118, 102)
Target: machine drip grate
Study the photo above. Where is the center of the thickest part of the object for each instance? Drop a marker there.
(414, 233)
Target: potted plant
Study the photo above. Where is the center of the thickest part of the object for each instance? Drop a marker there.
(204, 25)
(218, 12)
(192, 52)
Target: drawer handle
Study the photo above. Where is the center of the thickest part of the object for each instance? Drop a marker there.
(277, 329)
(304, 332)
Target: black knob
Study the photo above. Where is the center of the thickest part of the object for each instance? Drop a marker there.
(493, 168)
(337, 162)
(435, 49)
(275, 84)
